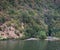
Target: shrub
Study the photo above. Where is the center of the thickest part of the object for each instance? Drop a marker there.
(29, 32)
(2, 19)
(41, 34)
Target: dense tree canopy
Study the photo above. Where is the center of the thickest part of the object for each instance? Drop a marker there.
(37, 15)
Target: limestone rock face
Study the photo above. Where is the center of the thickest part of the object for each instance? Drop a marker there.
(12, 34)
(3, 35)
(8, 32)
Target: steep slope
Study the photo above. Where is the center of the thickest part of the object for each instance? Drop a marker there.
(36, 16)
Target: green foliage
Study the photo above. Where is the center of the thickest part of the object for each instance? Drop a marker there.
(37, 15)
(29, 32)
(57, 34)
(2, 19)
(41, 34)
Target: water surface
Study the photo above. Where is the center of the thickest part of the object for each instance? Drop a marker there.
(29, 45)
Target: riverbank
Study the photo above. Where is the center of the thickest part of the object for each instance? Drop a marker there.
(52, 38)
(48, 39)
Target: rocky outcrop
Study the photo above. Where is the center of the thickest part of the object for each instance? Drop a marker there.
(3, 35)
(52, 38)
(32, 39)
(9, 32)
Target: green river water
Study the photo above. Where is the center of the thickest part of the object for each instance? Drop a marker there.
(29, 45)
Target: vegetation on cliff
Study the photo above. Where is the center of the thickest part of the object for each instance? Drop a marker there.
(32, 18)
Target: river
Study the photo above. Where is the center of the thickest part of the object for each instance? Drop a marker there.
(29, 45)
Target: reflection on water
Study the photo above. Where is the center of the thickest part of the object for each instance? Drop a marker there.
(54, 45)
(34, 45)
(29, 45)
